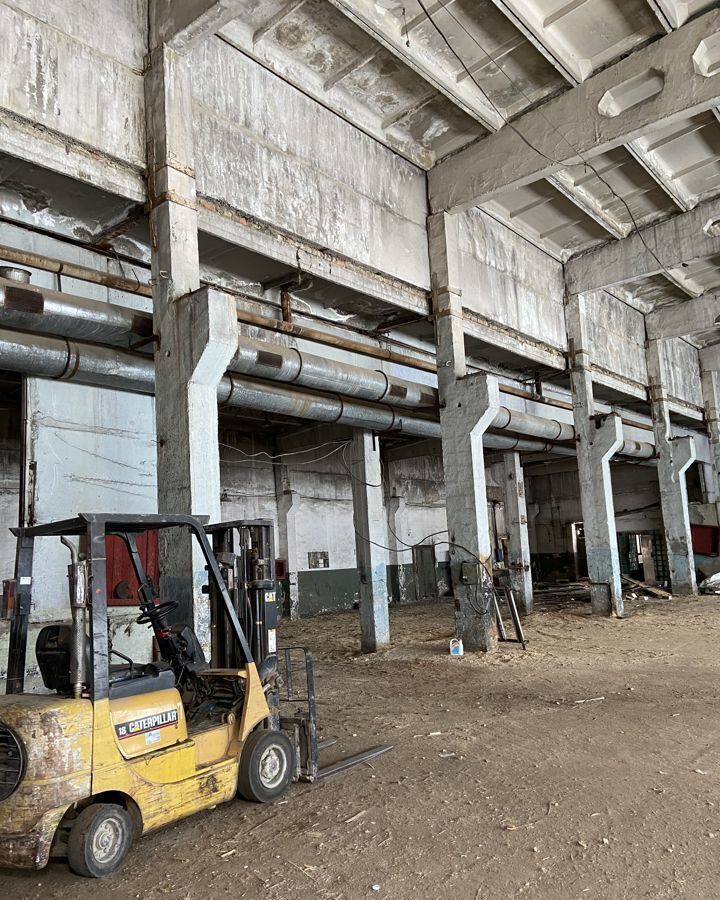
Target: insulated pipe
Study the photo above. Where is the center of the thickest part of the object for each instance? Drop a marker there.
(50, 357)
(72, 270)
(61, 359)
(275, 362)
(51, 312)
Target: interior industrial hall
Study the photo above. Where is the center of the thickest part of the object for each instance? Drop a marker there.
(359, 449)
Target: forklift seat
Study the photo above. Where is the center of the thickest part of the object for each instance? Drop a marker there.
(53, 652)
(127, 682)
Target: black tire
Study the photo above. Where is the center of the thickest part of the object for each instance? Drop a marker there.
(267, 763)
(99, 840)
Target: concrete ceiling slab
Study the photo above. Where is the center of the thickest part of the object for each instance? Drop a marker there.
(699, 276)
(686, 156)
(621, 194)
(547, 218)
(644, 294)
(679, 11)
(582, 36)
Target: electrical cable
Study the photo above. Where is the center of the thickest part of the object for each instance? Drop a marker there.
(360, 480)
(284, 454)
(540, 111)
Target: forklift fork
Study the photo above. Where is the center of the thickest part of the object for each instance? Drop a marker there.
(303, 727)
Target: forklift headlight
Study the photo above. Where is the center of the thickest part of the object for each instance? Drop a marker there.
(12, 761)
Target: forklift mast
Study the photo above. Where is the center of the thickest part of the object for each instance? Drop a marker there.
(245, 553)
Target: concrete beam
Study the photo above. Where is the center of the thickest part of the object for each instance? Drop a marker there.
(665, 245)
(656, 84)
(370, 539)
(183, 23)
(690, 317)
(267, 240)
(422, 57)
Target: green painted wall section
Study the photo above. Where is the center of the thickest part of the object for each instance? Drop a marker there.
(327, 590)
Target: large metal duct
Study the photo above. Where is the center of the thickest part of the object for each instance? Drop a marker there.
(50, 312)
(58, 358)
(274, 362)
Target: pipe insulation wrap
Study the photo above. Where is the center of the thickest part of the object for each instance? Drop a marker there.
(51, 312)
(84, 319)
(58, 358)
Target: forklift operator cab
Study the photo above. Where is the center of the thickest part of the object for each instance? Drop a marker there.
(114, 748)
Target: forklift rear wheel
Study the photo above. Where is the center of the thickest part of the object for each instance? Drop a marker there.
(266, 767)
(99, 840)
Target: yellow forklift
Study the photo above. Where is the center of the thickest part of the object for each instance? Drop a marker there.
(110, 748)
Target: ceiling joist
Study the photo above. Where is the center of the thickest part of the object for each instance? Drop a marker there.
(651, 251)
(571, 127)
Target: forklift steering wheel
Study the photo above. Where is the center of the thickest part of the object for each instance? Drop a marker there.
(147, 617)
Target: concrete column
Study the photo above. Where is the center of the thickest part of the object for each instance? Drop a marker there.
(468, 404)
(674, 456)
(516, 523)
(598, 438)
(287, 503)
(370, 540)
(196, 332)
(396, 515)
(711, 399)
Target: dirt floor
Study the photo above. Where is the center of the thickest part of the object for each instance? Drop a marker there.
(586, 767)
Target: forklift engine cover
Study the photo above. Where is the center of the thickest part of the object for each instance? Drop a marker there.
(55, 743)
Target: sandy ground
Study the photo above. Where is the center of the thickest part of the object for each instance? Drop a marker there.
(586, 767)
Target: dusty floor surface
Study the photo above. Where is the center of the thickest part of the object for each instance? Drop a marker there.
(586, 767)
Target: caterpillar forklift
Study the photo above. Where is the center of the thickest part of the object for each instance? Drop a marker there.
(111, 748)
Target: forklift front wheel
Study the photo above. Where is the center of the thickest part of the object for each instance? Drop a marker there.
(267, 763)
(99, 840)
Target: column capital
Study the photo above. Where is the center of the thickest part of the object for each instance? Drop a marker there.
(607, 438)
(683, 452)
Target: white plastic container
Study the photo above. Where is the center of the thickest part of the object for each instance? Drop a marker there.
(456, 647)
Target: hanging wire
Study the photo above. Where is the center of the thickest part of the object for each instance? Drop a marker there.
(322, 446)
(360, 480)
(273, 462)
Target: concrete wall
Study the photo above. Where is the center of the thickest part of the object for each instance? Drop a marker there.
(508, 280)
(247, 476)
(415, 503)
(271, 152)
(75, 68)
(554, 504)
(681, 370)
(88, 450)
(615, 336)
